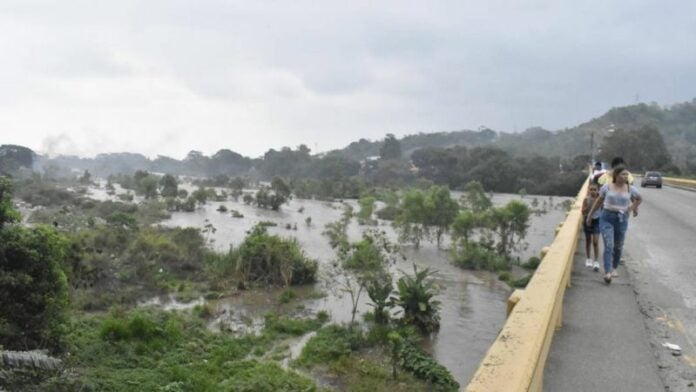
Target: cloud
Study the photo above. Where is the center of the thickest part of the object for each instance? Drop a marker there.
(169, 76)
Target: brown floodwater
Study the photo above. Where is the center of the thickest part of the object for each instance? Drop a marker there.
(472, 302)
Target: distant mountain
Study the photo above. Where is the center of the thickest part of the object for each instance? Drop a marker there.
(195, 164)
(676, 123)
(364, 148)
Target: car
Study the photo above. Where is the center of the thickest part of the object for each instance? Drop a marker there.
(651, 178)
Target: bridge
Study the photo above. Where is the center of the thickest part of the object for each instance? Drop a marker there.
(569, 331)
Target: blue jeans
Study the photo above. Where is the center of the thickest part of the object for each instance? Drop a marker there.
(613, 226)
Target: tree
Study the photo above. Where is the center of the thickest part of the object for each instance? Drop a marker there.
(475, 197)
(33, 286)
(441, 210)
(410, 222)
(86, 178)
(464, 225)
(169, 186)
(642, 148)
(391, 149)
(438, 165)
(12, 157)
(510, 224)
(148, 186)
(7, 212)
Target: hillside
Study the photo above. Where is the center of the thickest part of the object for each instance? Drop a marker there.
(676, 124)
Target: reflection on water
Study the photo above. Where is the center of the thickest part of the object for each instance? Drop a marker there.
(473, 302)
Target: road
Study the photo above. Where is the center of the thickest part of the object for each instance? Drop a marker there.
(660, 254)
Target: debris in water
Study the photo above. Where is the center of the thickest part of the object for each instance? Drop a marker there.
(676, 350)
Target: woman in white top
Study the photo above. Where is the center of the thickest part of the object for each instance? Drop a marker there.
(617, 199)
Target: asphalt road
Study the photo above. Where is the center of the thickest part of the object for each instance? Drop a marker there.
(661, 260)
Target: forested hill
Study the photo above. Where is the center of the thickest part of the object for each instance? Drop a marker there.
(363, 148)
(676, 123)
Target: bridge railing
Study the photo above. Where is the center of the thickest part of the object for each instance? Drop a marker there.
(516, 360)
(679, 182)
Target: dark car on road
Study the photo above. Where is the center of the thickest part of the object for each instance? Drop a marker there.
(651, 178)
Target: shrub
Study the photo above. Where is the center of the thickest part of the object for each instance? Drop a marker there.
(414, 360)
(330, 344)
(476, 256)
(270, 259)
(532, 263)
(521, 282)
(151, 331)
(415, 295)
(33, 288)
(291, 326)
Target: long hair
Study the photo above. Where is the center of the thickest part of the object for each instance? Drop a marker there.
(617, 171)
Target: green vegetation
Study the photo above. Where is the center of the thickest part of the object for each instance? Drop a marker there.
(421, 214)
(269, 259)
(33, 286)
(356, 360)
(367, 206)
(415, 297)
(165, 351)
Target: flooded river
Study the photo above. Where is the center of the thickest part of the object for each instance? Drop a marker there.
(473, 302)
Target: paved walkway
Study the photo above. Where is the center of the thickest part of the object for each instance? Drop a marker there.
(603, 345)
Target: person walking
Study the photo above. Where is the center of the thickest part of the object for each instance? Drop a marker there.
(617, 199)
(607, 176)
(591, 230)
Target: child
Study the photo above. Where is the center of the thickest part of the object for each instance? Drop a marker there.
(591, 230)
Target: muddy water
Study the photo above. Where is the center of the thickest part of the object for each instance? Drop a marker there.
(473, 302)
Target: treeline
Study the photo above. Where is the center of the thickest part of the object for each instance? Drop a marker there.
(650, 137)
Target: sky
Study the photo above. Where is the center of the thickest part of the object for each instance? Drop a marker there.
(163, 77)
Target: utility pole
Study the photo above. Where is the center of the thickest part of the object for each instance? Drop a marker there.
(592, 160)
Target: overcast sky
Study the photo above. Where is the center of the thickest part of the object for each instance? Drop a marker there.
(169, 76)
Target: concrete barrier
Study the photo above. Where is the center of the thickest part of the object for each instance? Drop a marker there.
(679, 182)
(516, 360)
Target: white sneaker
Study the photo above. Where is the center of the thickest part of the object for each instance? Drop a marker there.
(588, 263)
(595, 266)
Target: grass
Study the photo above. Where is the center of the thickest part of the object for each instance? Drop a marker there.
(166, 351)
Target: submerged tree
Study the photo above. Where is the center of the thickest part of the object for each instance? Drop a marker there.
(411, 221)
(441, 210)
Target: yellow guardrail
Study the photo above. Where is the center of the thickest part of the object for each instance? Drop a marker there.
(515, 362)
(679, 181)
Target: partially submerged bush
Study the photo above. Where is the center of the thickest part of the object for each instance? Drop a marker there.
(330, 344)
(476, 256)
(270, 259)
(415, 297)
